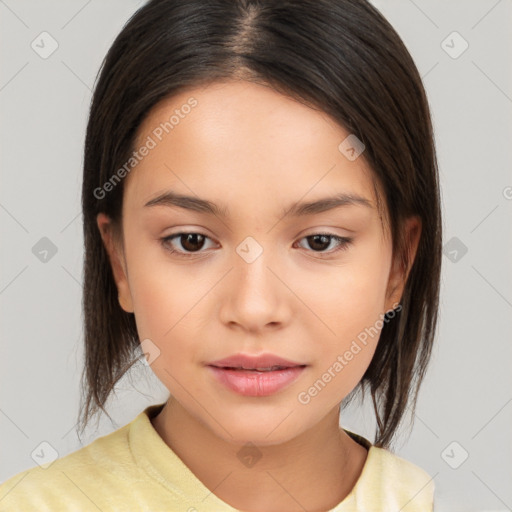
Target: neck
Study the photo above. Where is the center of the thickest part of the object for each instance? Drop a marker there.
(267, 478)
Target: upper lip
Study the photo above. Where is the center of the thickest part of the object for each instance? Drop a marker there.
(251, 362)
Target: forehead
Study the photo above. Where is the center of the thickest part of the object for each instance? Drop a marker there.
(243, 142)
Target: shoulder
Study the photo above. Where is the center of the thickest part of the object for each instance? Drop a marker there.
(397, 482)
(70, 479)
(389, 483)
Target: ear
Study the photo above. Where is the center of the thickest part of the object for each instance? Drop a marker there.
(117, 261)
(398, 274)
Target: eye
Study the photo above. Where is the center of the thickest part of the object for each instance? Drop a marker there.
(320, 241)
(190, 242)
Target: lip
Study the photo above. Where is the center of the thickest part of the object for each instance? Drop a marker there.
(238, 373)
(251, 362)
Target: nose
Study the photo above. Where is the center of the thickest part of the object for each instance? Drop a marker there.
(254, 297)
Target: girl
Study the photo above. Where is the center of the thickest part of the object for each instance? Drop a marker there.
(262, 220)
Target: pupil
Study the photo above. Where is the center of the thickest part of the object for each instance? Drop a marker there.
(189, 241)
(324, 240)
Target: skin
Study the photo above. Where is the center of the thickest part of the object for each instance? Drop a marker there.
(254, 151)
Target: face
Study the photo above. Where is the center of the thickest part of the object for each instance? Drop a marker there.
(239, 275)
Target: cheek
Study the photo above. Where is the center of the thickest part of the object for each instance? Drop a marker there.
(350, 296)
(349, 299)
(162, 292)
(352, 312)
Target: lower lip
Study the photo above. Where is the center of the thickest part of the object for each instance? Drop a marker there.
(254, 383)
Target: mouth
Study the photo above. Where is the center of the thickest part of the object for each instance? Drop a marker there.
(261, 362)
(262, 375)
(250, 369)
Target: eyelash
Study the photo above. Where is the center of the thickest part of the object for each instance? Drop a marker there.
(343, 242)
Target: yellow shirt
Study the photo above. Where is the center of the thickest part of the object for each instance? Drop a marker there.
(133, 469)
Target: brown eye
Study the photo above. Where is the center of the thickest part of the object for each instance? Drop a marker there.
(189, 243)
(320, 242)
(192, 241)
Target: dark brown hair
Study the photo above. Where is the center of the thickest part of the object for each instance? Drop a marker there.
(339, 56)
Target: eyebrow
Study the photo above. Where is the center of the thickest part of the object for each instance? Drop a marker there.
(297, 209)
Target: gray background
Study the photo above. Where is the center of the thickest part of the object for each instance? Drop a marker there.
(465, 406)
